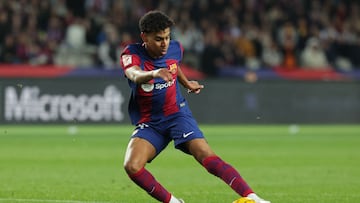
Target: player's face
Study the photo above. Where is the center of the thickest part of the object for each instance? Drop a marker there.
(157, 43)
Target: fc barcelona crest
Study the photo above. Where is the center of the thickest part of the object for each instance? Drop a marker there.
(173, 68)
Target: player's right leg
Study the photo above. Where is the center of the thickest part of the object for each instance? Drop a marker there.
(138, 153)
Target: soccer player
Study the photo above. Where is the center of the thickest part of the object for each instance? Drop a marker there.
(160, 112)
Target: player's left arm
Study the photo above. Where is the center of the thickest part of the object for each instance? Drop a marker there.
(191, 85)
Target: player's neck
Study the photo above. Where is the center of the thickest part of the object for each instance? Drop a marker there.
(150, 53)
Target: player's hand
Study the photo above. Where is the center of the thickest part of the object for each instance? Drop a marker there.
(194, 87)
(162, 73)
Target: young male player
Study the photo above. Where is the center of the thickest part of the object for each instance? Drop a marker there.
(161, 113)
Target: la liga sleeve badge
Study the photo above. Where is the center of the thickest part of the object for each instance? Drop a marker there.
(126, 59)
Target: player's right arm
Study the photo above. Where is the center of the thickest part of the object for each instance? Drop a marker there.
(131, 66)
(139, 76)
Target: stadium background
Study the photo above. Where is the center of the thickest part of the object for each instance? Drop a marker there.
(288, 122)
(251, 55)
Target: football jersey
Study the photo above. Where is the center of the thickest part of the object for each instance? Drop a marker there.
(157, 99)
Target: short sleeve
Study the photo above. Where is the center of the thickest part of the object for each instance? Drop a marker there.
(129, 59)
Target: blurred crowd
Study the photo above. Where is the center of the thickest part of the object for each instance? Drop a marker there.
(216, 34)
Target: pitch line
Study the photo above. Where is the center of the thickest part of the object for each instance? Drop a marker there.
(47, 200)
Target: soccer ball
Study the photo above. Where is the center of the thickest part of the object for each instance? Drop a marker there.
(244, 200)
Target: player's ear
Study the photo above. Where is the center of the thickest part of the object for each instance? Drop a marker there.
(143, 37)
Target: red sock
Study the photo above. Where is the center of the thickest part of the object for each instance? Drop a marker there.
(228, 174)
(146, 181)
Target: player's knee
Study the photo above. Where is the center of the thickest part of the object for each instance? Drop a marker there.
(132, 167)
(202, 153)
(202, 156)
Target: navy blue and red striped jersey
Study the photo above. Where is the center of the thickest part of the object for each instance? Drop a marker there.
(157, 99)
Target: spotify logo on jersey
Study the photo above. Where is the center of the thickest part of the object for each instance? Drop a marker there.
(147, 87)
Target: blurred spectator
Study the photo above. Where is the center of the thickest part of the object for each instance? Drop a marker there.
(8, 50)
(303, 32)
(211, 59)
(126, 39)
(16, 23)
(22, 47)
(55, 29)
(4, 25)
(35, 54)
(97, 6)
(271, 55)
(74, 50)
(59, 8)
(215, 34)
(287, 39)
(109, 48)
(247, 43)
(44, 14)
(313, 56)
(233, 55)
(191, 39)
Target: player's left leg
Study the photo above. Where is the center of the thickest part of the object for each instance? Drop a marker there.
(202, 152)
(188, 137)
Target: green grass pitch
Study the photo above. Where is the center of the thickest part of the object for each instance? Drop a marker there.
(83, 164)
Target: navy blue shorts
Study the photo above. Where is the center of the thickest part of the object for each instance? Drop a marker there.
(180, 128)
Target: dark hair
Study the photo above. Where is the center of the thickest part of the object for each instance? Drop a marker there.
(155, 21)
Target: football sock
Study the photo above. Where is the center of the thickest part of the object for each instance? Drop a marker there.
(146, 181)
(228, 174)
